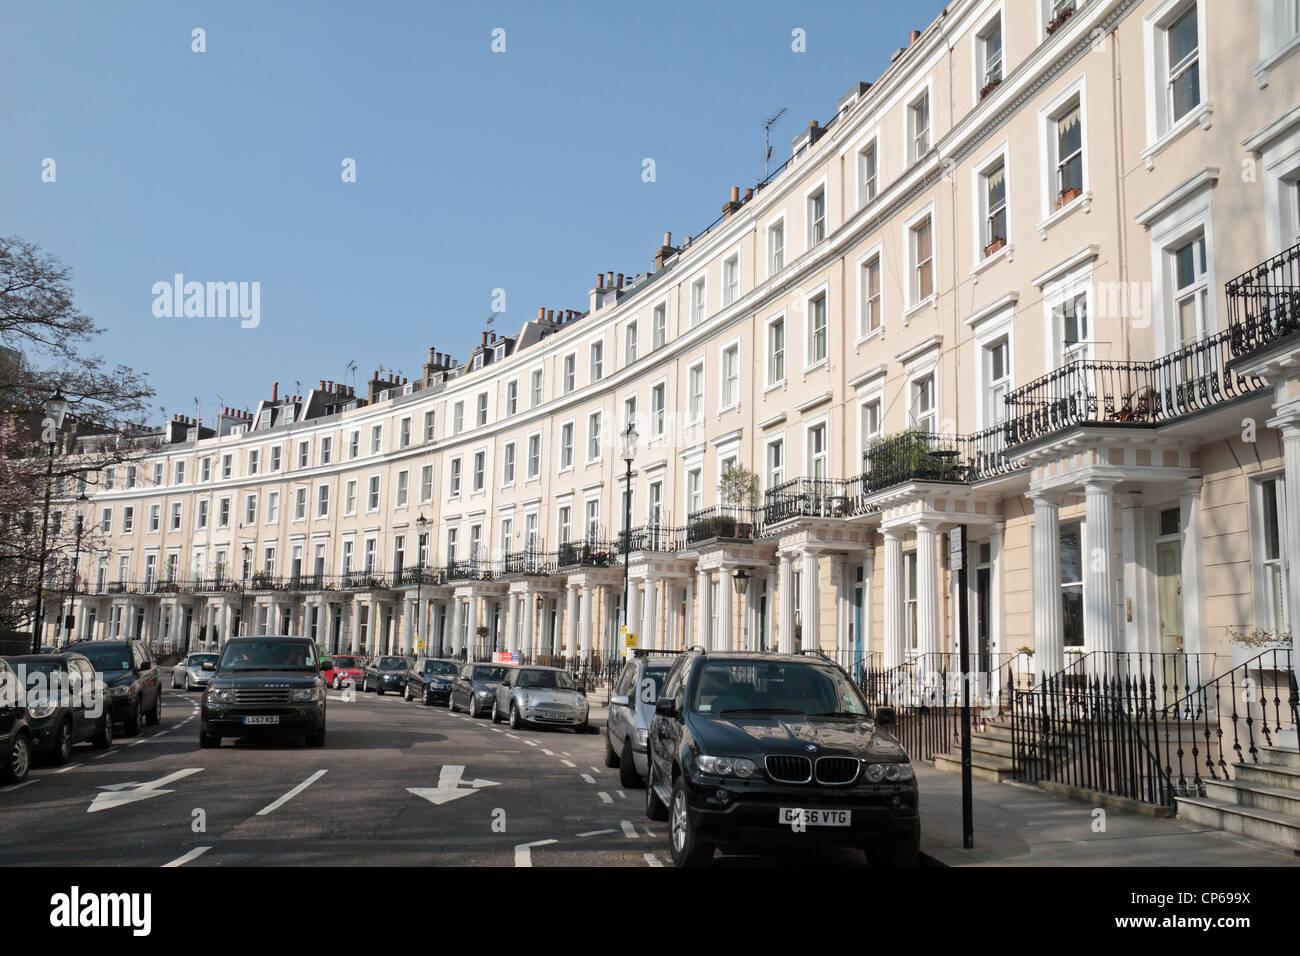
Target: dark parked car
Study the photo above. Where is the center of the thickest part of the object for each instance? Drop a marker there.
(65, 705)
(760, 749)
(385, 673)
(133, 679)
(631, 708)
(430, 680)
(473, 688)
(15, 735)
(264, 685)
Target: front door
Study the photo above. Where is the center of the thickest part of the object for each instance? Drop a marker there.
(1169, 569)
(983, 610)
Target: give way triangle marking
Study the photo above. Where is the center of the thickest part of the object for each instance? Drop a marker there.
(449, 786)
(120, 794)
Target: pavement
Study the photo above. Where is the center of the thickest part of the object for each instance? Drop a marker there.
(1020, 825)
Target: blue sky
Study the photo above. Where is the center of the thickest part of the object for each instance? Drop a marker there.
(475, 170)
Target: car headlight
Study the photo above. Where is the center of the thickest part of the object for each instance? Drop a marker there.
(527, 698)
(726, 766)
(119, 691)
(895, 772)
(485, 693)
(40, 707)
(218, 695)
(642, 735)
(305, 694)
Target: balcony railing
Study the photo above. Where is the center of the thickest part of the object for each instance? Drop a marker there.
(729, 522)
(594, 552)
(656, 537)
(1264, 303)
(926, 456)
(1120, 393)
(471, 569)
(812, 498)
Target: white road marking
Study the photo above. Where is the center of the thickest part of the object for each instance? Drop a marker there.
(194, 854)
(120, 794)
(565, 753)
(18, 786)
(629, 831)
(549, 753)
(591, 833)
(276, 805)
(531, 743)
(605, 798)
(497, 730)
(596, 770)
(71, 766)
(621, 794)
(105, 753)
(568, 763)
(512, 736)
(650, 833)
(523, 852)
(161, 732)
(588, 777)
(652, 860)
(449, 787)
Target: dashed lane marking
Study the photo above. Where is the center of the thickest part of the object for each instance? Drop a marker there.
(272, 807)
(18, 786)
(105, 753)
(629, 831)
(604, 797)
(592, 833)
(588, 777)
(568, 763)
(71, 766)
(194, 854)
(621, 794)
(652, 860)
(596, 770)
(549, 753)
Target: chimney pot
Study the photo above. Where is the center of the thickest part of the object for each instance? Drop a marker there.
(485, 335)
(430, 356)
(600, 280)
(275, 391)
(550, 314)
(620, 281)
(668, 238)
(609, 277)
(541, 313)
(913, 37)
(735, 194)
(749, 194)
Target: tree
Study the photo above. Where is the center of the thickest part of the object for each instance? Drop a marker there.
(738, 487)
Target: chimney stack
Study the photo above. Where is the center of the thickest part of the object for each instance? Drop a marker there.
(913, 37)
(619, 284)
(665, 251)
(729, 208)
(600, 280)
(275, 392)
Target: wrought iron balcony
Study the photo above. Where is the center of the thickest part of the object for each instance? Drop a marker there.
(925, 456)
(592, 553)
(656, 537)
(723, 522)
(1264, 303)
(812, 498)
(1187, 382)
(470, 569)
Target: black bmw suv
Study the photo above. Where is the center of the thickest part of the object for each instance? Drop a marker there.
(753, 749)
(132, 677)
(264, 685)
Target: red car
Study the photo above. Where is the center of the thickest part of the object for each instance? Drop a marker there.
(341, 667)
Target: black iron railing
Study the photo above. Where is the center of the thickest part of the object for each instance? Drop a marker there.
(729, 522)
(1087, 392)
(656, 537)
(1121, 723)
(471, 569)
(1264, 303)
(529, 561)
(812, 498)
(592, 553)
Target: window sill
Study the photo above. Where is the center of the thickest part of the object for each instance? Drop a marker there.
(931, 301)
(1082, 201)
(774, 386)
(734, 406)
(877, 333)
(1007, 252)
(808, 369)
(1203, 115)
(1273, 59)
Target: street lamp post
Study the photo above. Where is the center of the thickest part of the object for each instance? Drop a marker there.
(243, 591)
(740, 581)
(55, 408)
(629, 453)
(420, 523)
(76, 561)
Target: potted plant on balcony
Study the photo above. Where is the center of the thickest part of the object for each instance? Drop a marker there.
(1067, 196)
(260, 579)
(997, 243)
(1058, 21)
(989, 87)
(738, 488)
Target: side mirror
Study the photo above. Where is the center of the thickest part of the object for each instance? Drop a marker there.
(886, 716)
(620, 700)
(664, 708)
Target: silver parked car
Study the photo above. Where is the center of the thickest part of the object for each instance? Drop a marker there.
(189, 673)
(631, 708)
(546, 696)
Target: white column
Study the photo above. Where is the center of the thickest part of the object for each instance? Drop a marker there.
(689, 637)
(927, 588)
(810, 602)
(585, 622)
(1099, 630)
(457, 611)
(723, 639)
(752, 637)
(1049, 636)
(647, 638)
(528, 611)
(767, 643)
(839, 567)
(511, 622)
(703, 611)
(893, 598)
(571, 635)
(408, 625)
(996, 624)
(1194, 637)
(785, 639)
(1132, 552)
(865, 634)
(1291, 530)
(354, 638)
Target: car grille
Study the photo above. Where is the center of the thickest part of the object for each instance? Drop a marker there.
(837, 770)
(789, 769)
(262, 695)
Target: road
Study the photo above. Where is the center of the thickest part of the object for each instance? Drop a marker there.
(397, 784)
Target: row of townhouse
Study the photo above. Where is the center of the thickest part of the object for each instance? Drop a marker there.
(989, 293)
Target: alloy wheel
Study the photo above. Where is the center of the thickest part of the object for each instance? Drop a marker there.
(679, 823)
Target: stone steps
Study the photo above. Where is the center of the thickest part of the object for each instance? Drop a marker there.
(1280, 828)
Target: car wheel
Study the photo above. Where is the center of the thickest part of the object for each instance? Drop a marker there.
(173, 680)
(207, 741)
(582, 728)
(611, 758)
(654, 807)
(627, 774)
(104, 739)
(496, 712)
(516, 722)
(15, 769)
(451, 701)
(407, 693)
(154, 716)
(131, 722)
(337, 683)
(62, 751)
(317, 739)
(686, 847)
(428, 698)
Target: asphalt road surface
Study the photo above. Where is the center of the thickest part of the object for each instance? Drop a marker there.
(397, 784)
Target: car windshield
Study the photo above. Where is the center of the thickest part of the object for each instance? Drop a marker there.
(198, 660)
(114, 657)
(656, 676)
(489, 673)
(270, 654)
(557, 680)
(392, 663)
(786, 687)
(345, 662)
(439, 667)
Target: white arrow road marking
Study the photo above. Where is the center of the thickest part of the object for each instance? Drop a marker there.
(523, 853)
(605, 798)
(591, 833)
(587, 777)
(629, 831)
(18, 786)
(194, 854)
(120, 794)
(449, 786)
(652, 860)
(272, 807)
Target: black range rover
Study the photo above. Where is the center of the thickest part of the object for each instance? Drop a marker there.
(750, 749)
(264, 685)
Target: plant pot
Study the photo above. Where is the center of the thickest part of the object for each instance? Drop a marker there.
(1068, 196)
(994, 246)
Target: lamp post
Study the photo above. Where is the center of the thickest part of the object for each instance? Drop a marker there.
(243, 591)
(420, 523)
(55, 408)
(76, 561)
(740, 581)
(629, 453)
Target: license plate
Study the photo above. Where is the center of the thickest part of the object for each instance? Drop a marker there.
(790, 816)
(272, 719)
